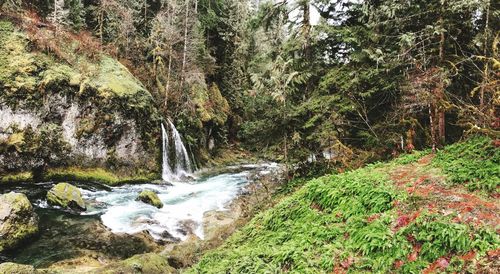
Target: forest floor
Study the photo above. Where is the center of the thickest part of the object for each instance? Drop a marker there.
(428, 187)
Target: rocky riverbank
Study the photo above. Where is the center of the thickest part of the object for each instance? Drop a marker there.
(83, 244)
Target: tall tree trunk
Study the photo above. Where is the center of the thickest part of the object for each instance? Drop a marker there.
(167, 88)
(432, 121)
(306, 35)
(101, 24)
(285, 137)
(306, 29)
(440, 89)
(486, 69)
(184, 53)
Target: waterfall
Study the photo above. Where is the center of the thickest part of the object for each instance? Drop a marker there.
(167, 174)
(176, 165)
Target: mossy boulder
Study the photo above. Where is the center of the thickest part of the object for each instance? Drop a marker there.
(18, 221)
(66, 196)
(94, 105)
(149, 197)
(186, 253)
(150, 263)
(9, 268)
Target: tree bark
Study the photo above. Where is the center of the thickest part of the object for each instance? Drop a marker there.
(167, 88)
(440, 90)
(306, 34)
(486, 69)
(306, 29)
(432, 119)
(184, 53)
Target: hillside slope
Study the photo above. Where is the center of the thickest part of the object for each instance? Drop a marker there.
(415, 214)
(63, 105)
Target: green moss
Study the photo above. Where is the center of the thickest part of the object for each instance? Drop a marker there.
(149, 197)
(98, 175)
(149, 263)
(16, 268)
(58, 74)
(16, 177)
(210, 104)
(114, 79)
(66, 196)
(94, 175)
(17, 219)
(17, 66)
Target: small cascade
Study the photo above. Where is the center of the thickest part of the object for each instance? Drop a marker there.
(182, 163)
(176, 164)
(167, 174)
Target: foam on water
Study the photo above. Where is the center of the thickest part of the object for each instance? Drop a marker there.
(184, 203)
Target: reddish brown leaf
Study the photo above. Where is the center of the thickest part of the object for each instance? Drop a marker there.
(413, 256)
(398, 264)
(442, 263)
(347, 262)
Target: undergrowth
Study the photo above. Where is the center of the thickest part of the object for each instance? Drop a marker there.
(475, 163)
(345, 222)
(411, 157)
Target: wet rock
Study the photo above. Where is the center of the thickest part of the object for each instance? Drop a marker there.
(144, 220)
(162, 182)
(149, 197)
(66, 196)
(187, 227)
(167, 237)
(9, 268)
(186, 253)
(18, 222)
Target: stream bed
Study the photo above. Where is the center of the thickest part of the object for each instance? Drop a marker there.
(115, 225)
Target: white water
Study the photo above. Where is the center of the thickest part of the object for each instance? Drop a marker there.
(182, 165)
(183, 203)
(166, 170)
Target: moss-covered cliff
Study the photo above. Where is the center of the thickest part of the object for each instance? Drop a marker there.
(60, 107)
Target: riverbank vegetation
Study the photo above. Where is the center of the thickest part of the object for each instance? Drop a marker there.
(387, 217)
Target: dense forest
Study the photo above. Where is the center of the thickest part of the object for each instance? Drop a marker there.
(396, 103)
(379, 76)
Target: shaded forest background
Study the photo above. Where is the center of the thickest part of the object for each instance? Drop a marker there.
(368, 80)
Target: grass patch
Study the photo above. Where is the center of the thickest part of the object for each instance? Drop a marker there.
(347, 223)
(475, 162)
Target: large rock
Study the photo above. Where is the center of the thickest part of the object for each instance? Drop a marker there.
(18, 222)
(12, 268)
(66, 196)
(149, 197)
(95, 105)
